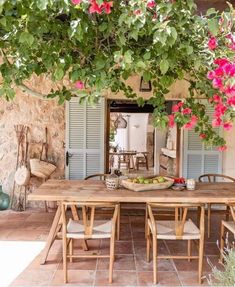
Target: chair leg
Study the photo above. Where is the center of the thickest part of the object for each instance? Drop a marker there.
(71, 250)
(227, 213)
(154, 260)
(65, 259)
(111, 259)
(118, 222)
(209, 220)
(147, 244)
(189, 250)
(222, 241)
(146, 222)
(200, 259)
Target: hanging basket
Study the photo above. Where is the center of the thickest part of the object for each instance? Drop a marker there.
(120, 122)
(22, 176)
(40, 168)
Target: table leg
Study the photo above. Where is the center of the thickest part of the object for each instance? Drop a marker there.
(52, 235)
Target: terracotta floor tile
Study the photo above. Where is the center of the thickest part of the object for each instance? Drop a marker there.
(33, 278)
(121, 247)
(177, 247)
(75, 278)
(184, 265)
(191, 279)
(81, 264)
(211, 248)
(140, 248)
(122, 262)
(52, 262)
(163, 264)
(164, 279)
(120, 278)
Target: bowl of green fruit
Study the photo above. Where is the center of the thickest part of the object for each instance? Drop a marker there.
(142, 183)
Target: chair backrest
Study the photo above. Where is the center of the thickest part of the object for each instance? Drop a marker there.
(99, 176)
(210, 177)
(88, 213)
(180, 210)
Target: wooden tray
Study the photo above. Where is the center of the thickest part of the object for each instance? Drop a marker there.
(151, 186)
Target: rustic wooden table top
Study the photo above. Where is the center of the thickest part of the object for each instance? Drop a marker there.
(95, 190)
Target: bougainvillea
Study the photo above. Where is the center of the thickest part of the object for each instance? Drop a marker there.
(99, 44)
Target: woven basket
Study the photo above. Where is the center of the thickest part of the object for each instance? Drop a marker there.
(41, 168)
(22, 176)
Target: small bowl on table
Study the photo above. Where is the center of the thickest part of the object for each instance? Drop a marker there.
(178, 186)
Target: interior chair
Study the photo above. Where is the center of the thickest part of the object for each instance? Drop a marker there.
(141, 159)
(88, 228)
(102, 176)
(124, 159)
(214, 178)
(180, 228)
(227, 225)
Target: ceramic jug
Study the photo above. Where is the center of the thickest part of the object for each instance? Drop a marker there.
(4, 199)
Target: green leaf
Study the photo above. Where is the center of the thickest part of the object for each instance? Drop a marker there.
(128, 56)
(164, 66)
(189, 50)
(59, 74)
(42, 4)
(174, 33)
(26, 38)
(147, 56)
(213, 25)
(147, 76)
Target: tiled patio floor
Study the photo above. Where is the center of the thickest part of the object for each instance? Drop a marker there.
(130, 268)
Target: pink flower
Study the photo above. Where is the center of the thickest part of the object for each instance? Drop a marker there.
(107, 7)
(220, 110)
(217, 83)
(137, 12)
(222, 148)
(175, 108)
(217, 98)
(76, 2)
(180, 104)
(79, 85)
(211, 75)
(171, 121)
(229, 69)
(227, 126)
(202, 136)
(187, 111)
(229, 91)
(95, 8)
(192, 122)
(212, 43)
(231, 101)
(221, 61)
(219, 72)
(151, 4)
(216, 122)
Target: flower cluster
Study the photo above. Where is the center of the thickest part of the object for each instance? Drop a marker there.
(95, 7)
(183, 111)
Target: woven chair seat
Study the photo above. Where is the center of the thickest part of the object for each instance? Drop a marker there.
(166, 230)
(230, 225)
(101, 229)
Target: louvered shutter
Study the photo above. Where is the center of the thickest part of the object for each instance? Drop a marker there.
(84, 139)
(197, 158)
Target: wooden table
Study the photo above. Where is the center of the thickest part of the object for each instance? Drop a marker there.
(95, 190)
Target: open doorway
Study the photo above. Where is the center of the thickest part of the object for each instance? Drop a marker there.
(135, 146)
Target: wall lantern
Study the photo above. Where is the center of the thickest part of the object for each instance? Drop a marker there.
(145, 86)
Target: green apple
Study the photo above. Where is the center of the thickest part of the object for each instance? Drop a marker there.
(161, 179)
(146, 181)
(141, 180)
(155, 181)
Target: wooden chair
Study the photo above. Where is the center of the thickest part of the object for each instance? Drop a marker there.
(229, 225)
(126, 160)
(178, 229)
(102, 176)
(88, 228)
(214, 178)
(141, 159)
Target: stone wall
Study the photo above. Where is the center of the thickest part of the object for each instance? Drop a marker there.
(36, 114)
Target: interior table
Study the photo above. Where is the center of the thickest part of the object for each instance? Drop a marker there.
(95, 190)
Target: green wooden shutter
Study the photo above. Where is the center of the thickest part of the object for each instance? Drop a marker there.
(84, 139)
(197, 158)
